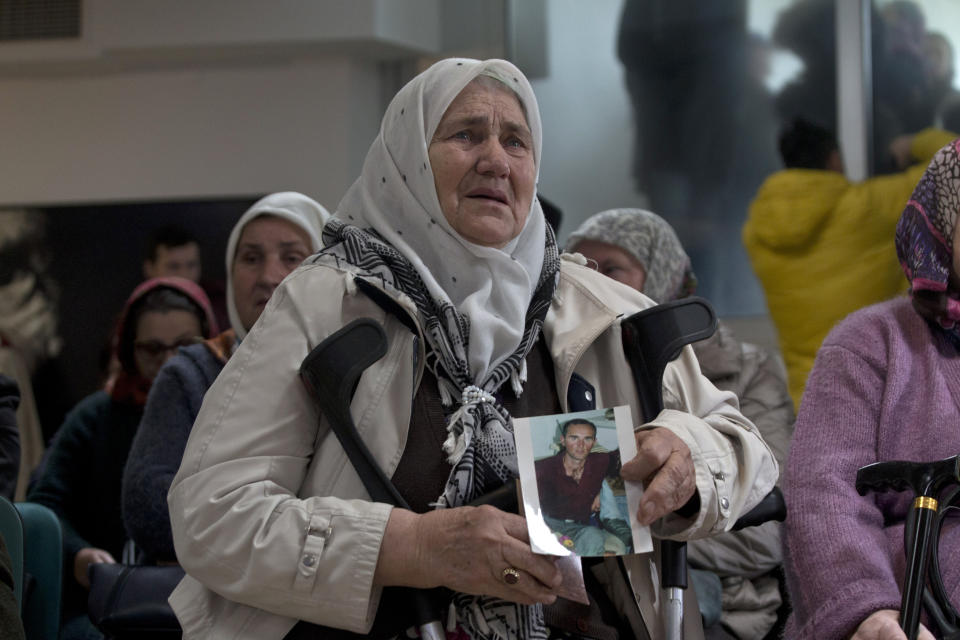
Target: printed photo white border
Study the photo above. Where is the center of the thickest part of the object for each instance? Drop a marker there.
(542, 539)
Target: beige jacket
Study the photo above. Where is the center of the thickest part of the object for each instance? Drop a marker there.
(272, 523)
(743, 559)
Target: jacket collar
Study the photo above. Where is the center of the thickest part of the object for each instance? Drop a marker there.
(578, 316)
(397, 304)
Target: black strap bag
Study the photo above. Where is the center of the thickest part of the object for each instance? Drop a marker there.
(130, 601)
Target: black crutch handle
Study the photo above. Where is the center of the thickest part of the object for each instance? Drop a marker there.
(651, 339)
(331, 372)
(924, 478)
(771, 508)
(655, 336)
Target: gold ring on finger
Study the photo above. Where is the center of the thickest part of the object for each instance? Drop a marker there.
(511, 575)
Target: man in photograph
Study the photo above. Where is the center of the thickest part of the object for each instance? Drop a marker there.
(570, 484)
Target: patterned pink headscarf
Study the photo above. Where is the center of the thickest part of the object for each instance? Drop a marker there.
(925, 240)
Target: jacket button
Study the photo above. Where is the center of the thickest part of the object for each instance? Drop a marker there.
(719, 475)
(588, 396)
(309, 559)
(583, 625)
(724, 503)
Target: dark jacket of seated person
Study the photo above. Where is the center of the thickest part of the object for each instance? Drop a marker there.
(9, 436)
(10, 625)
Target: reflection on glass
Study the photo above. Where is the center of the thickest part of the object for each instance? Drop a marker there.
(914, 60)
(807, 30)
(701, 78)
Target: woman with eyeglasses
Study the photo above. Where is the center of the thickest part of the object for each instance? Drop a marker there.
(81, 479)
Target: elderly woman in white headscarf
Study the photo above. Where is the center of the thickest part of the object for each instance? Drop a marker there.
(641, 249)
(443, 242)
(271, 239)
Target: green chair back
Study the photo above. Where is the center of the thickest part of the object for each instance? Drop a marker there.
(43, 559)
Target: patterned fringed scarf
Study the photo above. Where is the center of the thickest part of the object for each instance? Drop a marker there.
(925, 241)
(480, 443)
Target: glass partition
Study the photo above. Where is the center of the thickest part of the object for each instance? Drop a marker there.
(914, 57)
(711, 84)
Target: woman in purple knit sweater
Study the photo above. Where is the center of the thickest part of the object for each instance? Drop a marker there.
(885, 386)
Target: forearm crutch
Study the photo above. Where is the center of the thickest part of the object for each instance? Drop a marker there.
(652, 338)
(331, 372)
(927, 480)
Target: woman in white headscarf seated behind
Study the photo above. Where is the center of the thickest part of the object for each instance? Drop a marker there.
(443, 242)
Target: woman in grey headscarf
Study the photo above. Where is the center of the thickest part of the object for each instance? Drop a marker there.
(443, 242)
(641, 249)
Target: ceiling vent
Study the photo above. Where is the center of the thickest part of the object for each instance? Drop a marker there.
(39, 19)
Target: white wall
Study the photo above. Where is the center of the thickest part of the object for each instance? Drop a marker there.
(194, 100)
(117, 28)
(187, 133)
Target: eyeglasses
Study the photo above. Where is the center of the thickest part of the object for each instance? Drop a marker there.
(156, 349)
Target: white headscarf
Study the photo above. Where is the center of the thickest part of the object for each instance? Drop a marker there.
(291, 206)
(395, 195)
(390, 230)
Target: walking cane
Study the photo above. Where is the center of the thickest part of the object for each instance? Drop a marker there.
(331, 372)
(652, 338)
(927, 480)
(936, 600)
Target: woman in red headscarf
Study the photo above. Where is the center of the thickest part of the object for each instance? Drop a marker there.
(81, 479)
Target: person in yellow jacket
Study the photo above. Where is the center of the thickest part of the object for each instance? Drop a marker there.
(820, 244)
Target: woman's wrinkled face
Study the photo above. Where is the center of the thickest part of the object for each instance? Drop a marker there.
(483, 164)
(614, 262)
(159, 335)
(268, 250)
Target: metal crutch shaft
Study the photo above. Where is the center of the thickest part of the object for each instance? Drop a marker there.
(673, 566)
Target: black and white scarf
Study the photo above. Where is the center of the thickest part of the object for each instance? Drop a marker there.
(480, 443)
